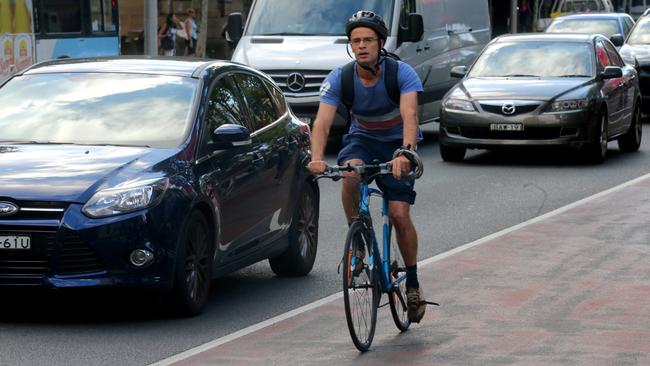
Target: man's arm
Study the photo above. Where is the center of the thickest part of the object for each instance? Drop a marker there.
(320, 132)
(408, 108)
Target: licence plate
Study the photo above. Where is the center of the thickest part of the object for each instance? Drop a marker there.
(506, 126)
(15, 242)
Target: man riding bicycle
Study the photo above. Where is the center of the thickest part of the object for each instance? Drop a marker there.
(379, 127)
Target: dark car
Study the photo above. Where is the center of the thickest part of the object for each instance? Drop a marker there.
(636, 52)
(615, 26)
(543, 90)
(151, 173)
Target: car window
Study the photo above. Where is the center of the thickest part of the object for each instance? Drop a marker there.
(606, 27)
(513, 59)
(260, 104)
(614, 58)
(278, 98)
(641, 32)
(98, 108)
(601, 53)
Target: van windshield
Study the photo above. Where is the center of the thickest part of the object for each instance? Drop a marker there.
(641, 32)
(310, 17)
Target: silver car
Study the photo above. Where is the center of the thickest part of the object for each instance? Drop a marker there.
(543, 90)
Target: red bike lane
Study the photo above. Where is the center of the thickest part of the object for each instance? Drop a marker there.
(571, 287)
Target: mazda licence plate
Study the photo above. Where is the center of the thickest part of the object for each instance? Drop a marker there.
(15, 242)
(506, 126)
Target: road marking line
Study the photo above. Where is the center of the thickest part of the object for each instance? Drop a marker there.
(255, 327)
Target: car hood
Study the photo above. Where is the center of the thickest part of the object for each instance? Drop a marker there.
(640, 52)
(291, 52)
(520, 88)
(69, 173)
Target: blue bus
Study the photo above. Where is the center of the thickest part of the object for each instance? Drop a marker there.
(75, 28)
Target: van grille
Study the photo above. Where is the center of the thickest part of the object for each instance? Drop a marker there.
(312, 81)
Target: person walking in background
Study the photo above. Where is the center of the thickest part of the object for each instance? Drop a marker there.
(191, 29)
(525, 16)
(167, 35)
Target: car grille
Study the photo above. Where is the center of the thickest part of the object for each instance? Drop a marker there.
(519, 109)
(74, 257)
(36, 210)
(312, 81)
(530, 133)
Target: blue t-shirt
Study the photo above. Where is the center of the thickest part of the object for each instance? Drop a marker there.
(373, 112)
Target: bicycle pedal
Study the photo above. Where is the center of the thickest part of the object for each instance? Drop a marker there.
(382, 305)
(432, 303)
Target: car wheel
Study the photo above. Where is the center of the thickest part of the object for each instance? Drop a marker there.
(193, 271)
(451, 153)
(631, 140)
(597, 150)
(300, 255)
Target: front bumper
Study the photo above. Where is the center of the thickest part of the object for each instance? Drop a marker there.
(76, 251)
(472, 129)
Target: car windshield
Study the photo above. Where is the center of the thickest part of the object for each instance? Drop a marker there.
(310, 17)
(606, 27)
(641, 32)
(580, 6)
(97, 109)
(534, 59)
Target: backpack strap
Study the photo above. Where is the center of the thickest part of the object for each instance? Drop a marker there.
(390, 81)
(347, 85)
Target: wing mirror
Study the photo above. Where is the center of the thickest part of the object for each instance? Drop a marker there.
(234, 29)
(414, 31)
(617, 39)
(228, 136)
(458, 71)
(611, 72)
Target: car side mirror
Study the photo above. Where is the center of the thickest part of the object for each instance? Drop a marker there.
(617, 39)
(611, 72)
(229, 136)
(414, 31)
(458, 71)
(234, 29)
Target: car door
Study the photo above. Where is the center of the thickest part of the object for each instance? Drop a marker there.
(232, 181)
(627, 89)
(611, 87)
(268, 135)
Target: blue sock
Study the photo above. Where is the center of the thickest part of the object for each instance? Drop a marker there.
(412, 277)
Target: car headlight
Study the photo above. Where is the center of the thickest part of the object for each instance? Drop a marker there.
(126, 198)
(569, 105)
(459, 105)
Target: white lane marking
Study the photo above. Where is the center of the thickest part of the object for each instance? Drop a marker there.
(253, 328)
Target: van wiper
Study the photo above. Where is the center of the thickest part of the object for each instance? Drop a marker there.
(292, 34)
(521, 76)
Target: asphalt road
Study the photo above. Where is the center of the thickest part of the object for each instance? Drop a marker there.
(457, 203)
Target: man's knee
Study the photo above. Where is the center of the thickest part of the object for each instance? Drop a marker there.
(400, 218)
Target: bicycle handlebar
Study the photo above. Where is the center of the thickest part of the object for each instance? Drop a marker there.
(366, 171)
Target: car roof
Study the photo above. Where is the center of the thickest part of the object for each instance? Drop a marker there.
(187, 67)
(556, 37)
(594, 16)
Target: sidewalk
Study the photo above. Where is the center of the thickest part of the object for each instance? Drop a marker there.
(571, 288)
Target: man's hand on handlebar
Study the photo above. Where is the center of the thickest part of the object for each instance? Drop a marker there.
(317, 167)
(401, 166)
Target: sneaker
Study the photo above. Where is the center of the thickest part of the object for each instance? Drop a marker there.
(416, 304)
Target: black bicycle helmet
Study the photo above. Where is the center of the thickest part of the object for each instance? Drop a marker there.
(365, 18)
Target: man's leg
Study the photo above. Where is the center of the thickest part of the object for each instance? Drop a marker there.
(350, 192)
(407, 240)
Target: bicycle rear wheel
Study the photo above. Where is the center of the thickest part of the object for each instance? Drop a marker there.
(360, 287)
(397, 297)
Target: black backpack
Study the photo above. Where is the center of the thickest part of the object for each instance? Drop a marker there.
(390, 81)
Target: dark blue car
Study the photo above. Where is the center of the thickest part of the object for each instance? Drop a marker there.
(150, 173)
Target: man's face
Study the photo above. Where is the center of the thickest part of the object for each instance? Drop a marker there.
(365, 45)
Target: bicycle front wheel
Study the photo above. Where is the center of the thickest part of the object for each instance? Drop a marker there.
(360, 287)
(397, 296)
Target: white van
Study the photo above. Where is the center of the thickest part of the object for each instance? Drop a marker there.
(298, 43)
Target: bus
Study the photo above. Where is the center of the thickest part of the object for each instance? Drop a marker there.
(37, 30)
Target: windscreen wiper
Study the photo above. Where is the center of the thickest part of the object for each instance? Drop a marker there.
(574, 76)
(521, 75)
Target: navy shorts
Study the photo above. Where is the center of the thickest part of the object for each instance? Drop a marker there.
(369, 150)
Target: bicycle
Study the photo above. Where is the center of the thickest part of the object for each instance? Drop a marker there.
(366, 277)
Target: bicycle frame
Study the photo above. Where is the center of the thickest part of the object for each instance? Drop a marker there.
(386, 285)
